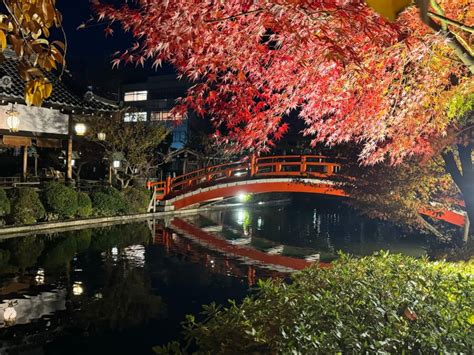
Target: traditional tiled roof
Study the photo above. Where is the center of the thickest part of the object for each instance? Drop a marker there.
(12, 89)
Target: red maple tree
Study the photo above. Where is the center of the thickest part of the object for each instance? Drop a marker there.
(393, 88)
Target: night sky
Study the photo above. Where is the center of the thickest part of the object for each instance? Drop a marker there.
(90, 52)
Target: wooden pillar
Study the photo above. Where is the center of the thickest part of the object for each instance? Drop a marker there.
(36, 165)
(69, 150)
(253, 165)
(110, 172)
(25, 163)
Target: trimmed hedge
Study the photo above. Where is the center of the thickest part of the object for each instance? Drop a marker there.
(26, 206)
(387, 304)
(109, 202)
(5, 207)
(84, 205)
(60, 200)
(136, 199)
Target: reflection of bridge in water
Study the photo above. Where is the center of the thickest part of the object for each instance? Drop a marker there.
(218, 255)
(312, 174)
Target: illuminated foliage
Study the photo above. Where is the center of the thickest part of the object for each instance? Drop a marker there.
(26, 28)
(350, 74)
(378, 304)
(134, 142)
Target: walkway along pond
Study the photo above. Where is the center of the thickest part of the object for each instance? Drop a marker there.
(124, 289)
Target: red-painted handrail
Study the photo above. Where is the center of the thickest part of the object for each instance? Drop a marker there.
(271, 166)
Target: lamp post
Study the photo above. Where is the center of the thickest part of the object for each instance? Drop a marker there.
(79, 129)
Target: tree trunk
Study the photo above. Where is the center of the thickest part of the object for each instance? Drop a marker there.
(464, 178)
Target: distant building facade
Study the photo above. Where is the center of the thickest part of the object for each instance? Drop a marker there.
(152, 101)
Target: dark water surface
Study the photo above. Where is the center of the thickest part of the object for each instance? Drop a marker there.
(126, 288)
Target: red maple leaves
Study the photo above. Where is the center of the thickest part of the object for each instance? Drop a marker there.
(349, 74)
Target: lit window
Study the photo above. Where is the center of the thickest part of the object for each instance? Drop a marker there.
(135, 96)
(165, 116)
(134, 116)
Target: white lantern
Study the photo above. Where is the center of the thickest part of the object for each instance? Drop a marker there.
(13, 121)
(9, 314)
(116, 164)
(101, 136)
(80, 129)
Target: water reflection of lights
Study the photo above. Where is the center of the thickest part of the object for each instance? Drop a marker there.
(276, 250)
(240, 241)
(313, 258)
(115, 251)
(9, 314)
(39, 278)
(29, 308)
(77, 288)
(241, 215)
(135, 254)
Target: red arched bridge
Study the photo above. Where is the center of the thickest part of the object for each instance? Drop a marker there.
(313, 174)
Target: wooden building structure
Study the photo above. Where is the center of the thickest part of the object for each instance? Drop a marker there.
(49, 126)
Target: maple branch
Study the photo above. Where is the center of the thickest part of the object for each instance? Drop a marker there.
(465, 156)
(452, 167)
(456, 42)
(233, 17)
(446, 20)
(428, 226)
(466, 57)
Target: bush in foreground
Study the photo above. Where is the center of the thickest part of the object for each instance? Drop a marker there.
(84, 205)
(109, 202)
(136, 199)
(26, 206)
(60, 200)
(385, 303)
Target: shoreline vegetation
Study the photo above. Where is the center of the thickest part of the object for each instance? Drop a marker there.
(56, 202)
(382, 303)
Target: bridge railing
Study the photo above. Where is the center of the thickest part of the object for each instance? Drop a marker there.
(272, 166)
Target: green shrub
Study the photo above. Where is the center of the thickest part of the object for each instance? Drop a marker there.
(109, 202)
(136, 199)
(5, 207)
(26, 206)
(60, 200)
(378, 304)
(84, 205)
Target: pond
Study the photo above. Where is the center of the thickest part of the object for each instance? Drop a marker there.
(124, 289)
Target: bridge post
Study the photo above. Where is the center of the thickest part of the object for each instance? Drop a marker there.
(303, 164)
(253, 165)
(168, 185)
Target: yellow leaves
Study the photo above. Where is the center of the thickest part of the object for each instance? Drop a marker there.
(389, 8)
(36, 91)
(470, 320)
(3, 40)
(27, 32)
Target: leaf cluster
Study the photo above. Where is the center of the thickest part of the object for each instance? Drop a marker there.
(60, 200)
(26, 27)
(26, 206)
(379, 304)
